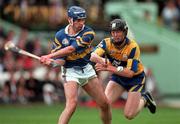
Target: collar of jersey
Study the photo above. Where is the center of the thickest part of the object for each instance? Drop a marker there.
(66, 31)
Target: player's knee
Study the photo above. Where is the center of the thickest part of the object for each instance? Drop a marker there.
(129, 115)
(104, 105)
(110, 101)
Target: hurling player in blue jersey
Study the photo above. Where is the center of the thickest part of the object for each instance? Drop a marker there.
(127, 70)
(73, 45)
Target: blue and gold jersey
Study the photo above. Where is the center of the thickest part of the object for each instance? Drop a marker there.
(126, 55)
(81, 42)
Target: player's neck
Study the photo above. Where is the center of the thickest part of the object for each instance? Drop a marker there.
(72, 31)
(120, 45)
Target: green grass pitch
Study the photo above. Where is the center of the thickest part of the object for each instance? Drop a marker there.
(42, 114)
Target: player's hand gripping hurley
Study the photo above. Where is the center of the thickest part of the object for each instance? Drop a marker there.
(11, 47)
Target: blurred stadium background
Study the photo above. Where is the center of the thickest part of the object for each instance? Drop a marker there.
(32, 93)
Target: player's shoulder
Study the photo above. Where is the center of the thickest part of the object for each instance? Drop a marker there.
(107, 40)
(60, 32)
(132, 43)
(88, 30)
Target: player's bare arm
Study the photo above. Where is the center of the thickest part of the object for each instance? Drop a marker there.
(97, 59)
(116, 70)
(62, 52)
(46, 59)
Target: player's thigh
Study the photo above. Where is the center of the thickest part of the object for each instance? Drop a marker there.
(95, 89)
(113, 91)
(133, 101)
(71, 91)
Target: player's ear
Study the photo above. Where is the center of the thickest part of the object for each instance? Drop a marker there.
(70, 20)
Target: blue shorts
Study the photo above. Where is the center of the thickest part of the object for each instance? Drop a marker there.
(135, 84)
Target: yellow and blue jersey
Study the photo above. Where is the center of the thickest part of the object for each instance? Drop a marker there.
(81, 42)
(126, 55)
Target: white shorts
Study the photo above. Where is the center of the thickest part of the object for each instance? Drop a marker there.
(81, 75)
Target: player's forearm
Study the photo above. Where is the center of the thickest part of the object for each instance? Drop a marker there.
(125, 72)
(96, 58)
(62, 52)
(60, 62)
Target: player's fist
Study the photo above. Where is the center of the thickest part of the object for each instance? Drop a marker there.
(46, 60)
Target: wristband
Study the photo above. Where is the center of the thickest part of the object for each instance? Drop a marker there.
(120, 68)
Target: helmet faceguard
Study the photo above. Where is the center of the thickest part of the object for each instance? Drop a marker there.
(76, 12)
(119, 25)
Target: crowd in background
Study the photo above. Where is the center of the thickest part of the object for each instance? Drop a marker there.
(23, 79)
(49, 14)
(170, 14)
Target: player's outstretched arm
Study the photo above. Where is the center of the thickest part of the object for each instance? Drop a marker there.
(97, 59)
(62, 52)
(46, 59)
(121, 71)
(54, 63)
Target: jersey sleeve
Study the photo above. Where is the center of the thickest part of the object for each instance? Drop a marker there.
(101, 48)
(57, 45)
(84, 41)
(133, 58)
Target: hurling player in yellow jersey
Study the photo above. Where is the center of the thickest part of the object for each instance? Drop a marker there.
(127, 70)
(73, 45)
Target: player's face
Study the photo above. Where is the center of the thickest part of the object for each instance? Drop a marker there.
(118, 36)
(78, 24)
